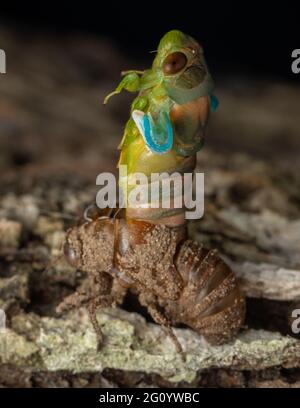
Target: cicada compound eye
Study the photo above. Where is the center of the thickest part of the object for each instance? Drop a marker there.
(174, 63)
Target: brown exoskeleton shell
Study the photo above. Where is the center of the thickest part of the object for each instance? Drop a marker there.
(178, 280)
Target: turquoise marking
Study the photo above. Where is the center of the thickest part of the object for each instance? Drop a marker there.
(154, 138)
(214, 102)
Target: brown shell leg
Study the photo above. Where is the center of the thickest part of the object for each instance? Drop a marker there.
(97, 292)
(96, 303)
(77, 299)
(98, 285)
(160, 319)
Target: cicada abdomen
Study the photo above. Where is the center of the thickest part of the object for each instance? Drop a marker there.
(210, 302)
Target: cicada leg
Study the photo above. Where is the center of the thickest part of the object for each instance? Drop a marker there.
(160, 319)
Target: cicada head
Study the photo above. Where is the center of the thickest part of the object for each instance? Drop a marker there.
(180, 62)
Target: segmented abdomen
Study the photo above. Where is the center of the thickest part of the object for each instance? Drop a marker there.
(210, 302)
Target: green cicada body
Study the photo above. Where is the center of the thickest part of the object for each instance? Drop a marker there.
(168, 118)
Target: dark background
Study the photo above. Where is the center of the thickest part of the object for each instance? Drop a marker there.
(245, 36)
